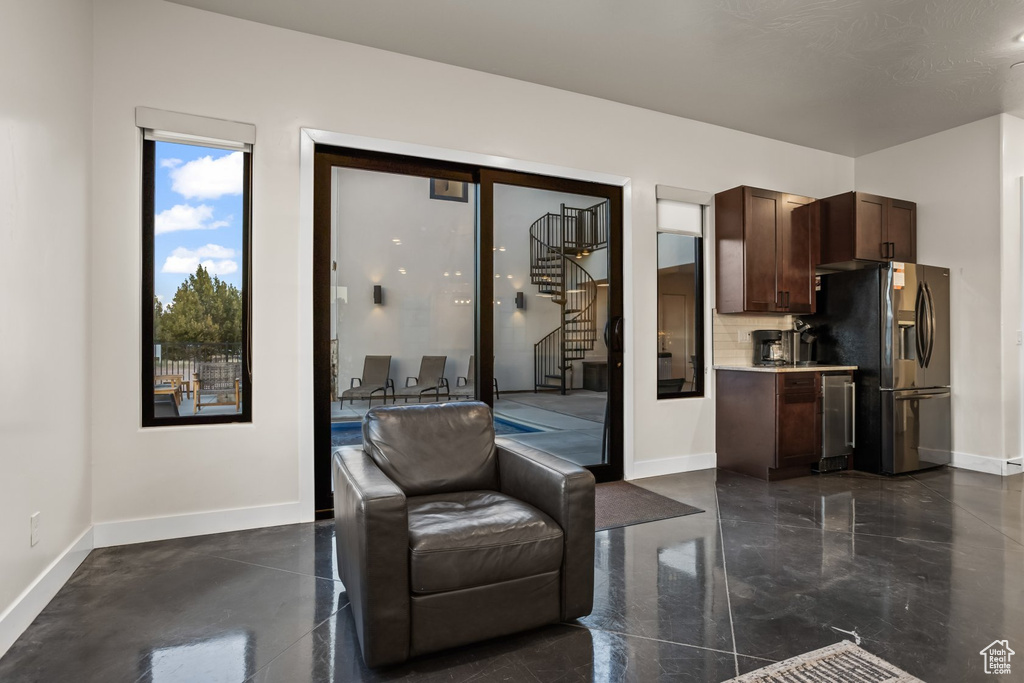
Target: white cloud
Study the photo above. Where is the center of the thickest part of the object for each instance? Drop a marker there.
(216, 259)
(209, 178)
(187, 217)
(170, 163)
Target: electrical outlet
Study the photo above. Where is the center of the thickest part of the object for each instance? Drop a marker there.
(743, 336)
(1020, 337)
(34, 524)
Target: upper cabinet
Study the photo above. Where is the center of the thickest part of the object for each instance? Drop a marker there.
(765, 260)
(856, 226)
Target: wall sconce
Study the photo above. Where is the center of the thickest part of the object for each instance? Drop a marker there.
(520, 300)
(378, 294)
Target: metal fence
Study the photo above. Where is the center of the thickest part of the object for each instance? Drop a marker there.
(183, 358)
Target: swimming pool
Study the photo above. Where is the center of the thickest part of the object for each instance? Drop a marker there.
(350, 433)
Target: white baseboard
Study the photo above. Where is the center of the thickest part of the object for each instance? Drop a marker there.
(107, 534)
(984, 463)
(27, 606)
(680, 463)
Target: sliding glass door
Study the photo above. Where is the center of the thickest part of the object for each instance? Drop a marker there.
(444, 282)
(554, 355)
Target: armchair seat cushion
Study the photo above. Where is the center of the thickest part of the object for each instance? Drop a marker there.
(466, 539)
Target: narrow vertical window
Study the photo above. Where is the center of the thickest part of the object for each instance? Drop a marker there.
(680, 294)
(196, 357)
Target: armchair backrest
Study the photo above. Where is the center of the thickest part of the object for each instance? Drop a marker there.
(434, 448)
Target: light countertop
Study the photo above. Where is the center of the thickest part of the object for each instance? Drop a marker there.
(786, 368)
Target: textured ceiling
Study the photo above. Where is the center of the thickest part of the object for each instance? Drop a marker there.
(848, 76)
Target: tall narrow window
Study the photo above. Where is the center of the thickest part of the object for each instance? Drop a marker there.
(680, 293)
(196, 360)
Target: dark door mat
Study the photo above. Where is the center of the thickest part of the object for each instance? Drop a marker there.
(620, 503)
(840, 662)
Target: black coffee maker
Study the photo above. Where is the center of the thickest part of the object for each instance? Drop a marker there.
(768, 348)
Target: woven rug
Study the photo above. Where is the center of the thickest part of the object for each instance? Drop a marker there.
(833, 664)
(621, 504)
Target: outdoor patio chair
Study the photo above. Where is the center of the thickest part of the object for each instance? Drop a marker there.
(376, 379)
(219, 380)
(465, 387)
(164, 405)
(430, 379)
(169, 385)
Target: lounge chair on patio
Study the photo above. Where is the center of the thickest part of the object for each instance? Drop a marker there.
(376, 379)
(465, 387)
(220, 380)
(430, 380)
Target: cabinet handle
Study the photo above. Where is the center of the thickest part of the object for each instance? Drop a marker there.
(779, 300)
(892, 249)
(787, 300)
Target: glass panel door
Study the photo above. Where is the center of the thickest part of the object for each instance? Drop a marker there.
(402, 299)
(556, 379)
(443, 282)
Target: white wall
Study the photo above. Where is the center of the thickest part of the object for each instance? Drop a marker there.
(45, 145)
(955, 178)
(173, 57)
(1012, 167)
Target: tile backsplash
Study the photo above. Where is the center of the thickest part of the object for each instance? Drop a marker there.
(729, 332)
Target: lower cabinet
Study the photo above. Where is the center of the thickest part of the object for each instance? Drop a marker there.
(768, 424)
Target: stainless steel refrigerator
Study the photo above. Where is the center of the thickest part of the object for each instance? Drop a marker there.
(892, 322)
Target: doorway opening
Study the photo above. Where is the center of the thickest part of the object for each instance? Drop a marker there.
(436, 281)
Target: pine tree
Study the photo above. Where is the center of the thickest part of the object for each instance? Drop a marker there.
(205, 310)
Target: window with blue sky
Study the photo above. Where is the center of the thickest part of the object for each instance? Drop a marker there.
(198, 216)
(195, 303)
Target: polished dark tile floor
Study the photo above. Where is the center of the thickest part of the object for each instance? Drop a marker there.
(924, 571)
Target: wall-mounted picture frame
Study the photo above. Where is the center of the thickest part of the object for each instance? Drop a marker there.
(449, 190)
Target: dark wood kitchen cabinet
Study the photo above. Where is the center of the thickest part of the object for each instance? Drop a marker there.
(765, 261)
(856, 226)
(768, 424)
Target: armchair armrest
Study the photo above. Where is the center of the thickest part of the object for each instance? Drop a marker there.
(372, 535)
(352, 382)
(461, 381)
(564, 492)
(416, 380)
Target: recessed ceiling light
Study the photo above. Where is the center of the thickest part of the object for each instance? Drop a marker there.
(1020, 38)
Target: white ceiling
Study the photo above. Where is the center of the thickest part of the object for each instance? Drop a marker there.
(847, 76)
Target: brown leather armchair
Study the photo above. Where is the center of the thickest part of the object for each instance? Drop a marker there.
(446, 537)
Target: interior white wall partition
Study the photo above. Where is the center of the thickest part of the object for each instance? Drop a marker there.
(45, 305)
(1012, 300)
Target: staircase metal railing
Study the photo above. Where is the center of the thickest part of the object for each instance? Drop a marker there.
(556, 242)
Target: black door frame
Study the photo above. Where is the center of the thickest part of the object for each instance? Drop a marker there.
(326, 158)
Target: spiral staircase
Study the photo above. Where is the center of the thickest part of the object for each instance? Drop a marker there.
(557, 242)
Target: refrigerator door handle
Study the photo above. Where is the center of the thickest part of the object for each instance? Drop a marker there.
(850, 398)
(922, 397)
(931, 325)
(919, 325)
